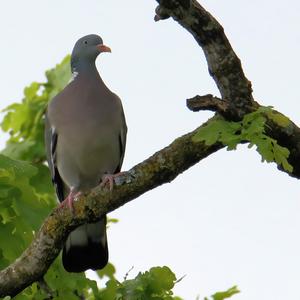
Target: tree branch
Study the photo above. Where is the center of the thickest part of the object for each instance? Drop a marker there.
(168, 163)
(223, 64)
(207, 102)
(160, 168)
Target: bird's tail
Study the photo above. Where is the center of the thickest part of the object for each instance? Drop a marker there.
(86, 247)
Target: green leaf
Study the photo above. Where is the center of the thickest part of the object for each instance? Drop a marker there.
(161, 279)
(108, 271)
(42, 183)
(281, 154)
(110, 292)
(67, 285)
(251, 129)
(218, 130)
(226, 294)
(278, 118)
(157, 283)
(58, 77)
(112, 220)
(22, 209)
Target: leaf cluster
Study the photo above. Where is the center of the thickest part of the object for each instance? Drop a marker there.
(251, 129)
(155, 284)
(23, 205)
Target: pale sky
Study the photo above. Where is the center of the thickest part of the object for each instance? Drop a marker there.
(230, 220)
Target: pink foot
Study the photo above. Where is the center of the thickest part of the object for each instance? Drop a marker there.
(69, 201)
(108, 180)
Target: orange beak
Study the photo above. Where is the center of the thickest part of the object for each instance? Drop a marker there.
(103, 48)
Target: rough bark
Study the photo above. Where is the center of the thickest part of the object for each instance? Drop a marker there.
(223, 64)
(225, 67)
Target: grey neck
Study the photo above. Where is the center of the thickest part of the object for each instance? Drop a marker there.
(87, 70)
(83, 66)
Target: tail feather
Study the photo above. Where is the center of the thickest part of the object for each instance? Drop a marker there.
(86, 248)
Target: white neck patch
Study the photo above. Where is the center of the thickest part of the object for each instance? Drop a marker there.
(74, 75)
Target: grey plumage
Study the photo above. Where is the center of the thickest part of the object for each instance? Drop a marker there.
(85, 139)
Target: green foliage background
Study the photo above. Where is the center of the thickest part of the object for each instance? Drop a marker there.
(27, 197)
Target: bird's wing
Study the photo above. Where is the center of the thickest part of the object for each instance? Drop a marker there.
(51, 137)
(122, 141)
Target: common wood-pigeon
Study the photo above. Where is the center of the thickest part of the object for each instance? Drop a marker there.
(85, 136)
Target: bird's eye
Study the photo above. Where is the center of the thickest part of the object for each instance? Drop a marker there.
(85, 42)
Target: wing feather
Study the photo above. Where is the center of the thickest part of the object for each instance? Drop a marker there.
(51, 138)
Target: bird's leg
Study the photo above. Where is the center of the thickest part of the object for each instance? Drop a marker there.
(69, 201)
(108, 180)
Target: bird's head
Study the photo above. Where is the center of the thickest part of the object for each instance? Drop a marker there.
(88, 48)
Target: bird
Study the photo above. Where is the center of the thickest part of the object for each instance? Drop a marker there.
(85, 139)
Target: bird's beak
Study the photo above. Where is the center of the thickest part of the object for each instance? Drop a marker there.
(103, 48)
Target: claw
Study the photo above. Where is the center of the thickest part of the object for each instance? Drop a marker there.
(69, 201)
(109, 179)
